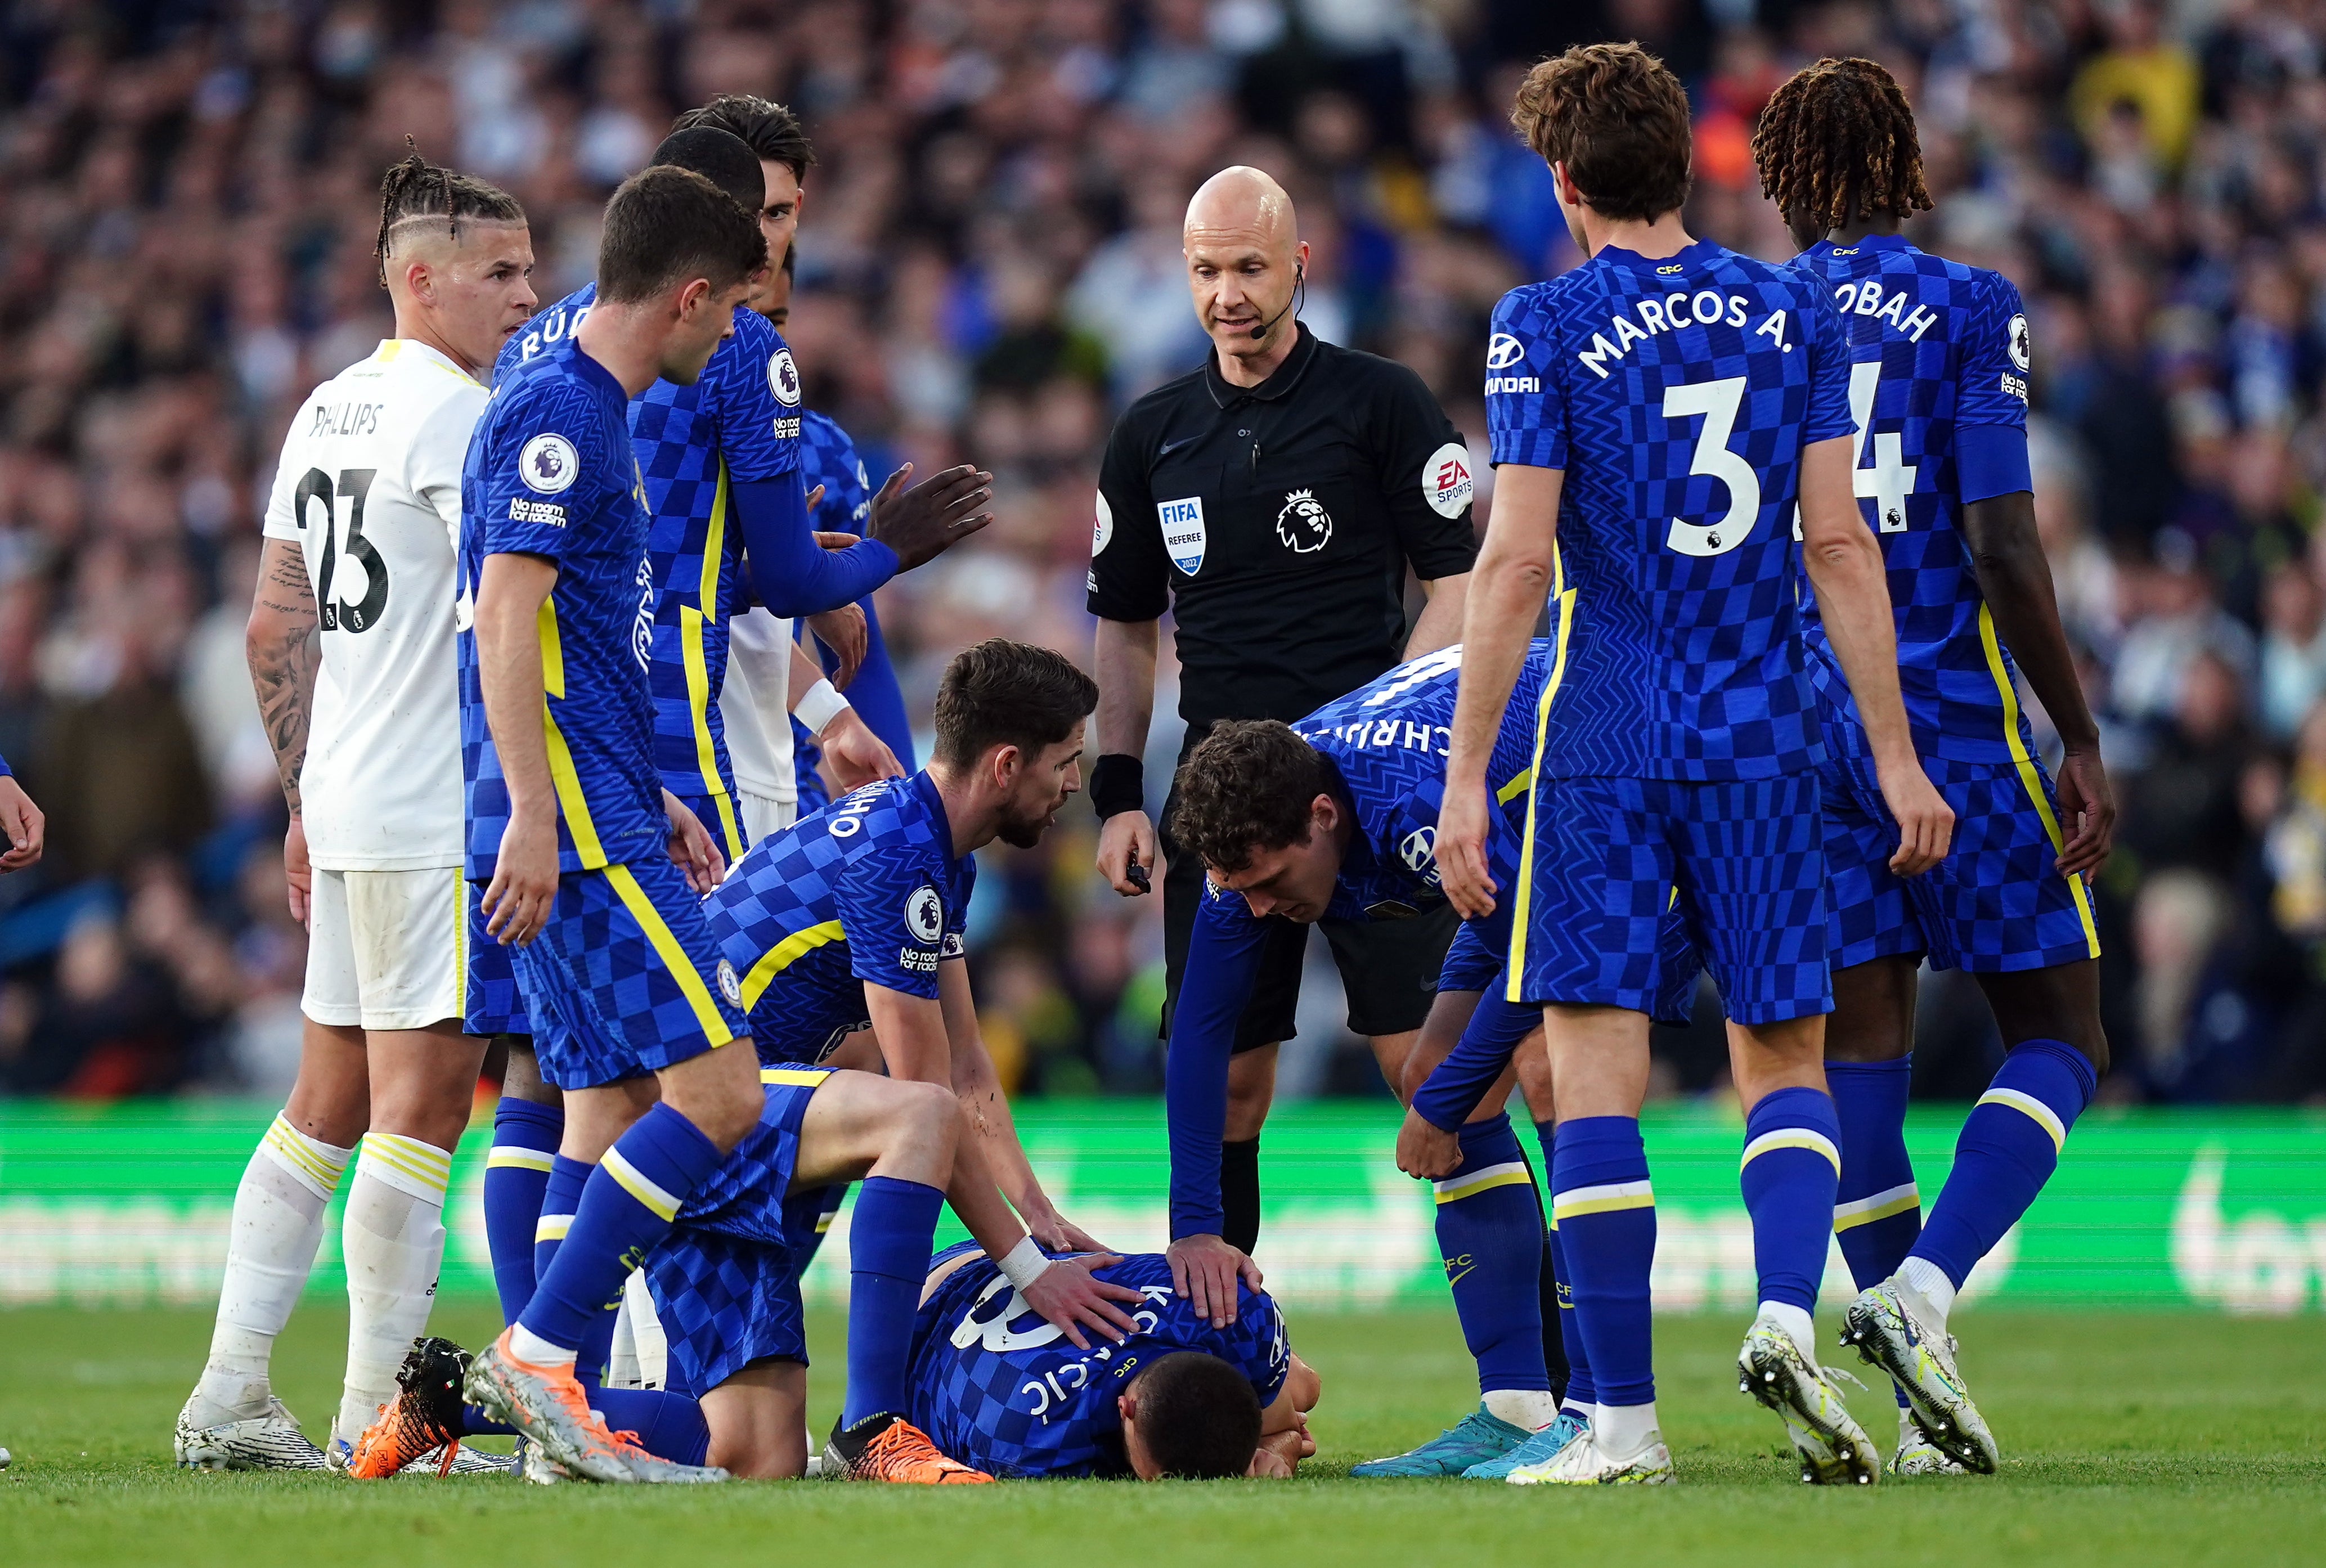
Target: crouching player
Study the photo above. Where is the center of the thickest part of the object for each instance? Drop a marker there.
(725, 1284)
(854, 915)
(1337, 815)
(1181, 1396)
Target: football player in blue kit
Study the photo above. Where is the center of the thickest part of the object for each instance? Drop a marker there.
(719, 459)
(1181, 1395)
(854, 917)
(567, 821)
(1336, 814)
(1939, 356)
(1654, 413)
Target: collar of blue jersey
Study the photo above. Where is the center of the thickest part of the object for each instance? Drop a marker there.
(1288, 374)
(1869, 242)
(589, 370)
(935, 801)
(1692, 255)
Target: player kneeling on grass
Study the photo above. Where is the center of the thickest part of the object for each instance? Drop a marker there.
(1337, 815)
(726, 1289)
(1183, 1397)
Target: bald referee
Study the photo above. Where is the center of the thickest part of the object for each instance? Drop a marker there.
(1272, 501)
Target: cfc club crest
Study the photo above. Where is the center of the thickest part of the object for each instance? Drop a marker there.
(548, 464)
(729, 985)
(925, 914)
(1304, 524)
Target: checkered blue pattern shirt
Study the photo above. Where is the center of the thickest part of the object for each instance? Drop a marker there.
(1937, 348)
(995, 1386)
(1677, 395)
(828, 458)
(549, 473)
(867, 890)
(1387, 739)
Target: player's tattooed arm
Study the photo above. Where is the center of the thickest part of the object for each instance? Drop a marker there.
(2015, 579)
(284, 646)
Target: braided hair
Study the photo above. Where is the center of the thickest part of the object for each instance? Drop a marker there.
(1838, 138)
(414, 191)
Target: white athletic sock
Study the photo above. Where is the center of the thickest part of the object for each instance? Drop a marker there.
(1927, 1280)
(1623, 1431)
(278, 1222)
(394, 1239)
(1532, 1409)
(1796, 1322)
(529, 1347)
(1582, 1407)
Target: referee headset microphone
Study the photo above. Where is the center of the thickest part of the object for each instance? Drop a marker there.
(1299, 284)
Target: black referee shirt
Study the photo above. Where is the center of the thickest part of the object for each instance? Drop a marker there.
(1276, 523)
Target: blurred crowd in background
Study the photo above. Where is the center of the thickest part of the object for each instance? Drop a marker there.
(989, 268)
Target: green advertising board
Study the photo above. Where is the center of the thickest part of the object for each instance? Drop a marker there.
(2219, 1210)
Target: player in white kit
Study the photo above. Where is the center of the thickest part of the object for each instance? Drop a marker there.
(351, 652)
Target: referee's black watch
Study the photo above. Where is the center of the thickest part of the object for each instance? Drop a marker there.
(1117, 785)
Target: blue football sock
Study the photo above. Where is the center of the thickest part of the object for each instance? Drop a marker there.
(475, 1422)
(561, 1194)
(1605, 1211)
(1580, 1387)
(517, 1174)
(1489, 1235)
(1876, 1212)
(2009, 1146)
(1792, 1164)
(669, 1424)
(889, 1245)
(628, 1206)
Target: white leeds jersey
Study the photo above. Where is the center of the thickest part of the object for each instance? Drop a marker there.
(755, 705)
(370, 486)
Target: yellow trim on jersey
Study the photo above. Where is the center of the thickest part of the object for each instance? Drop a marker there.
(714, 545)
(696, 657)
(672, 954)
(1510, 791)
(553, 649)
(389, 347)
(1516, 968)
(571, 804)
(783, 954)
(2030, 778)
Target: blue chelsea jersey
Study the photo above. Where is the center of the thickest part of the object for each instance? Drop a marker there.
(549, 473)
(997, 1388)
(867, 889)
(738, 423)
(1677, 395)
(1937, 348)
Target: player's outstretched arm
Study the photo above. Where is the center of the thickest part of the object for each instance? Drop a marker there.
(2015, 580)
(1845, 571)
(911, 1031)
(1223, 960)
(510, 592)
(22, 823)
(925, 522)
(1507, 590)
(1123, 660)
(979, 1088)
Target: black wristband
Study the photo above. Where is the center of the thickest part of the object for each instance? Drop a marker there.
(1118, 784)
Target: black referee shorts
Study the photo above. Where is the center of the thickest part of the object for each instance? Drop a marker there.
(1388, 968)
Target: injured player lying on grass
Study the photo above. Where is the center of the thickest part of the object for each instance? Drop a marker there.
(990, 1382)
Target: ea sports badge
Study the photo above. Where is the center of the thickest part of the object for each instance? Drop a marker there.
(1446, 480)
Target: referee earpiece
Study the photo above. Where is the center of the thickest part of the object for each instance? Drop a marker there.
(1299, 282)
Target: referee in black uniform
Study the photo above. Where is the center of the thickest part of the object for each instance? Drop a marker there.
(1272, 501)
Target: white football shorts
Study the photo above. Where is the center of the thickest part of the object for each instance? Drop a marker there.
(386, 949)
(764, 816)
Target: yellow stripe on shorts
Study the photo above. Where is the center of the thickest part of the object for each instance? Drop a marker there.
(2031, 778)
(672, 954)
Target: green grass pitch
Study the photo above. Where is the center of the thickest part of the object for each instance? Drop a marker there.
(2127, 1438)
